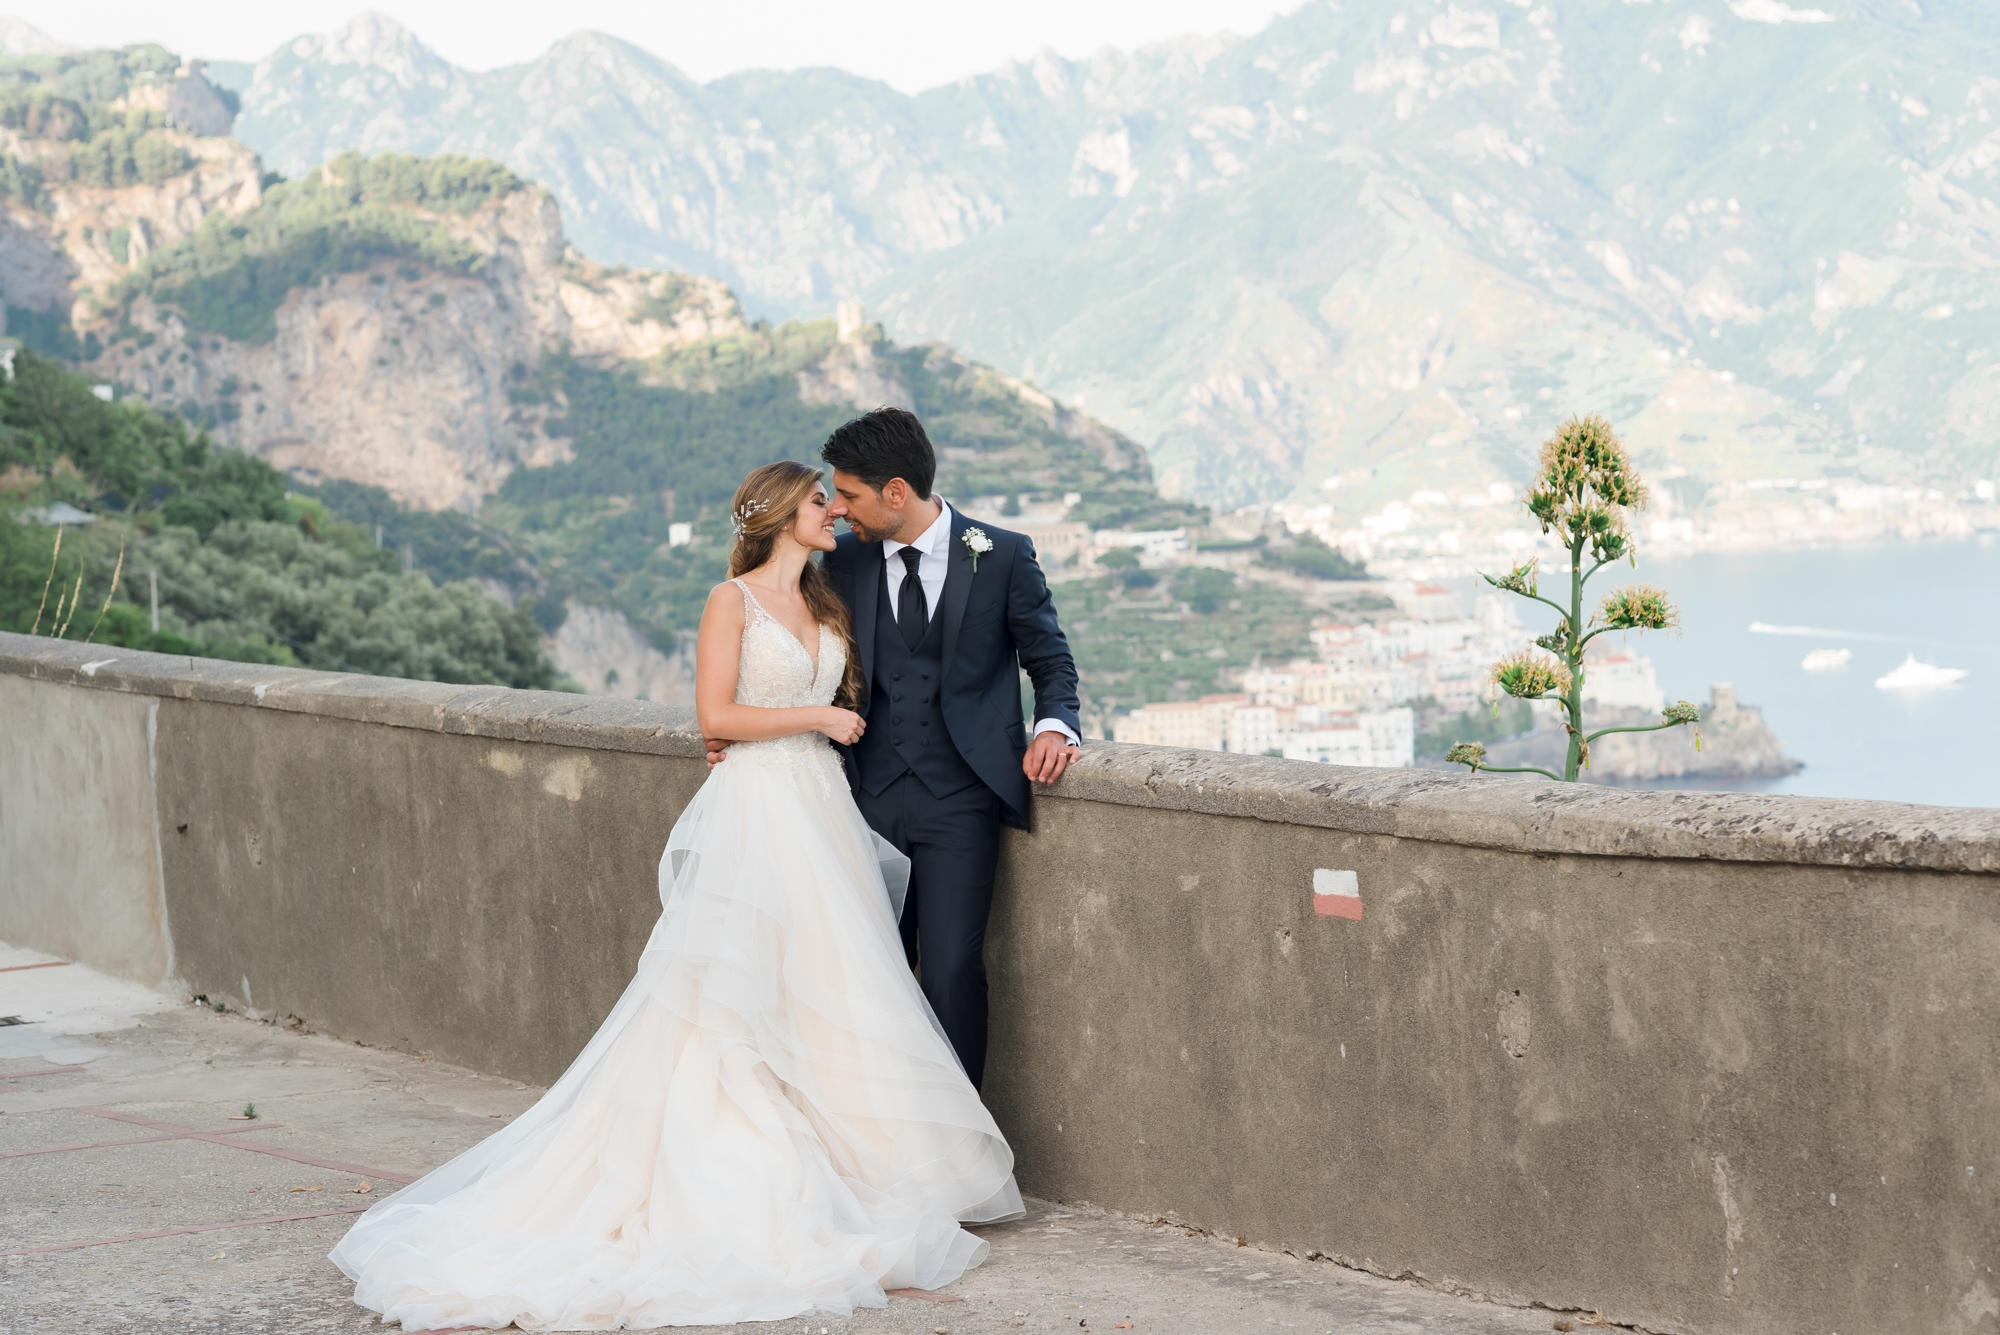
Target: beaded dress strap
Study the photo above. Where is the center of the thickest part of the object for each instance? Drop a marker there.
(755, 608)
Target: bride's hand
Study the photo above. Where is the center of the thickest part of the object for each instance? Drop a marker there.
(843, 725)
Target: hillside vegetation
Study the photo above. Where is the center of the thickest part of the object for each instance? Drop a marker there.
(533, 424)
(65, 100)
(647, 455)
(231, 276)
(245, 571)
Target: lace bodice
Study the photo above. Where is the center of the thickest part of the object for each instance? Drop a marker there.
(775, 671)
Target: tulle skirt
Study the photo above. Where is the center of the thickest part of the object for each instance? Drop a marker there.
(770, 1122)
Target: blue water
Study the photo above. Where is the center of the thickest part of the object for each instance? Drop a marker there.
(1940, 601)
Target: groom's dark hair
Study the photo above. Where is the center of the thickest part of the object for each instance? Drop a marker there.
(884, 444)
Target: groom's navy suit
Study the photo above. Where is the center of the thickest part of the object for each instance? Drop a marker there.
(939, 767)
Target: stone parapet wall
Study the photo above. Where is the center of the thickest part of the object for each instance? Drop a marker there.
(1706, 1062)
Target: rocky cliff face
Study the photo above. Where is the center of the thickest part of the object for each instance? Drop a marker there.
(62, 256)
(606, 655)
(396, 375)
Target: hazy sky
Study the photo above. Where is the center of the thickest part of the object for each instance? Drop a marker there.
(912, 44)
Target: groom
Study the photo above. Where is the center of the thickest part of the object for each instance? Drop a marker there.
(943, 610)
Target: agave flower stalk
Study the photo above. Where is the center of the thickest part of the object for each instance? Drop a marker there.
(1584, 492)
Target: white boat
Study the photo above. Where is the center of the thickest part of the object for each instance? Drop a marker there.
(1913, 675)
(1826, 660)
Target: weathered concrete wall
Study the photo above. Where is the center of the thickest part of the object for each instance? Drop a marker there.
(79, 845)
(1706, 1062)
(484, 900)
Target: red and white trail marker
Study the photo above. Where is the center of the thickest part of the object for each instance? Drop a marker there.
(1336, 894)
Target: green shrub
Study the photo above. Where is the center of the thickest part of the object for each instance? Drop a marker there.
(127, 155)
(20, 180)
(1202, 589)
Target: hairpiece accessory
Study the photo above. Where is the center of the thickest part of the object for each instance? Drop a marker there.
(745, 513)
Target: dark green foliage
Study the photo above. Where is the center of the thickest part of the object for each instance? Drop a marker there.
(20, 180)
(47, 332)
(1205, 591)
(51, 424)
(39, 114)
(231, 276)
(633, 439)
(245, 571)
(444, 544)
(222, 486)
(125, 155)
(80, 77)
(65, 99)
(1134, 647)
(1119, 558)
(1139, 579)
(1312, 558)
(336, 605)
(448, 181)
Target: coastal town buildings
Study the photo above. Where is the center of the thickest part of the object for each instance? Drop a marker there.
(1353, 703)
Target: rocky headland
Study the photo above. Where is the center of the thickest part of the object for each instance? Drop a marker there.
(1736, 743)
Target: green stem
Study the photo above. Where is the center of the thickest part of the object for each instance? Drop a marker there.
(1651, 727)
(1573, 653)
(1538, 598)
(1517, 769)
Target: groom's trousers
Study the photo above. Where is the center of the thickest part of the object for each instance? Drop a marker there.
(953, 843)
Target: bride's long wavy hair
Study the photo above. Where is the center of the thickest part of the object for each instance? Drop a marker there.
(766, 503)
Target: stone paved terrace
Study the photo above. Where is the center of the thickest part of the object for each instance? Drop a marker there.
(140, 1067)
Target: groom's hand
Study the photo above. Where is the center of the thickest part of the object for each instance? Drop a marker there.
(1048, 756)
(718, 749)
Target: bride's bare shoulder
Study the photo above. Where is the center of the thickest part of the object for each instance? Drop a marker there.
(725, 601)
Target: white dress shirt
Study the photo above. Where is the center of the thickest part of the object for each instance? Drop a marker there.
(935, 544)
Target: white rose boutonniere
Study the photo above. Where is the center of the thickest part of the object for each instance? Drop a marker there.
(978, 544)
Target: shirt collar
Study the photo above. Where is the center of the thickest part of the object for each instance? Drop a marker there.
(927, 541)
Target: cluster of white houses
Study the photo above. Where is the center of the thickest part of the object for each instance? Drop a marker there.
(1352, 703)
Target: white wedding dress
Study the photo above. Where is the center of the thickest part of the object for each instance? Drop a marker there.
(769, 1123)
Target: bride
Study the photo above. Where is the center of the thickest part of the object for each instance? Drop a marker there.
(770, 1122)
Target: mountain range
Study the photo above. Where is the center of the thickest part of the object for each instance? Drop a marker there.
(1373, 250)
(419, 349)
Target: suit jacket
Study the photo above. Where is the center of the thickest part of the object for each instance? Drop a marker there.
(993, 618)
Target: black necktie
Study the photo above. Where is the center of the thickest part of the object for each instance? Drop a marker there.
(912, 612)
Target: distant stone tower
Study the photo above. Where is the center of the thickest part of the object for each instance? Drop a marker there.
(852, 317)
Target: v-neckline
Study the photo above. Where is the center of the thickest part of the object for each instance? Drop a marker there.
(789, 632)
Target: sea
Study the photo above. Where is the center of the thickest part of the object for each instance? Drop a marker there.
(1939, 601)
